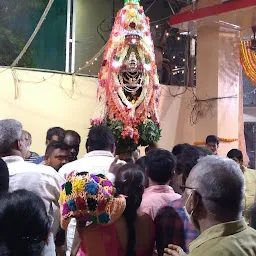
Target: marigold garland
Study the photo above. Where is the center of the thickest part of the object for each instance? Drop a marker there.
(227, 140)
(248, 61)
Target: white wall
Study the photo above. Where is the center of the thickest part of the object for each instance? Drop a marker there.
(46, 100)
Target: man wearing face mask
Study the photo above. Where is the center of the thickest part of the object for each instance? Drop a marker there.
(214, 193)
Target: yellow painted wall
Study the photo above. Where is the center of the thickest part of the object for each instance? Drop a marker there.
(41, 105)
(46, 99)
(174, 112)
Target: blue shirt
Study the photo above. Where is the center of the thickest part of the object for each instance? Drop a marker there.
(39, 160)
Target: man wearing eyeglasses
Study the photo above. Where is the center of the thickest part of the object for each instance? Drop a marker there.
(213, 196)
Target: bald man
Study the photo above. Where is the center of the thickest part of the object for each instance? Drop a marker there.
(213, 196)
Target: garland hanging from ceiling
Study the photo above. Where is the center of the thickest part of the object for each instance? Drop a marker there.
(248, 61)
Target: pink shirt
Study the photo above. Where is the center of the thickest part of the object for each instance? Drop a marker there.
(156, 197)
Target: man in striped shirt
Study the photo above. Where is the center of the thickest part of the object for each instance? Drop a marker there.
(30, 156)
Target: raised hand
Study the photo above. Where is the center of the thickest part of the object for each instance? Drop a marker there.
(174, 250)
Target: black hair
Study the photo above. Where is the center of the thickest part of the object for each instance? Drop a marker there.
(4, 177)
(165, 236)
(235, 154)
(86, 146)
(55, 131)
(55, 145)
(160, 165)
(24, 223)
(100, 138)
(179, 148)
(212, 139)
(130, 182)
(73, 134)
(141, 162)
(188, 159)
(150, 147)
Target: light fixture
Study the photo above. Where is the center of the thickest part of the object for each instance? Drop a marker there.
(178, 38)
(185, 33)
(173, 57)
(156, 26)
(167, 34)
(184, 60)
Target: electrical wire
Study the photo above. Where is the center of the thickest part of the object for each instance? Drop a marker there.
(150, 6)
(156, 21)
(41, 21)
(100, 29)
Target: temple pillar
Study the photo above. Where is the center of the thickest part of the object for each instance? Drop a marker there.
(217, 86)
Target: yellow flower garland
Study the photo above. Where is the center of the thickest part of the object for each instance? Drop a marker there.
(248, 61)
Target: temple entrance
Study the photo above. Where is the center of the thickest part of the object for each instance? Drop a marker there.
(250, 138)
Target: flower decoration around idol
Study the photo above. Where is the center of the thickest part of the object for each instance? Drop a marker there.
(129, 81)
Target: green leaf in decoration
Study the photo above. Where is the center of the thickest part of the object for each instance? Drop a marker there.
(149, 132)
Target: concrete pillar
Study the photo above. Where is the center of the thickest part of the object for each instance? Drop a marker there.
(218, 76)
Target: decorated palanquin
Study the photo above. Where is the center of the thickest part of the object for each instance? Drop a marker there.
(128, 81)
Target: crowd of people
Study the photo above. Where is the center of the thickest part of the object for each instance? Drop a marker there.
(186, 202)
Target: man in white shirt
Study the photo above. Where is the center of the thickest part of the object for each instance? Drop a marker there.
(101, 149)
(40, 179)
